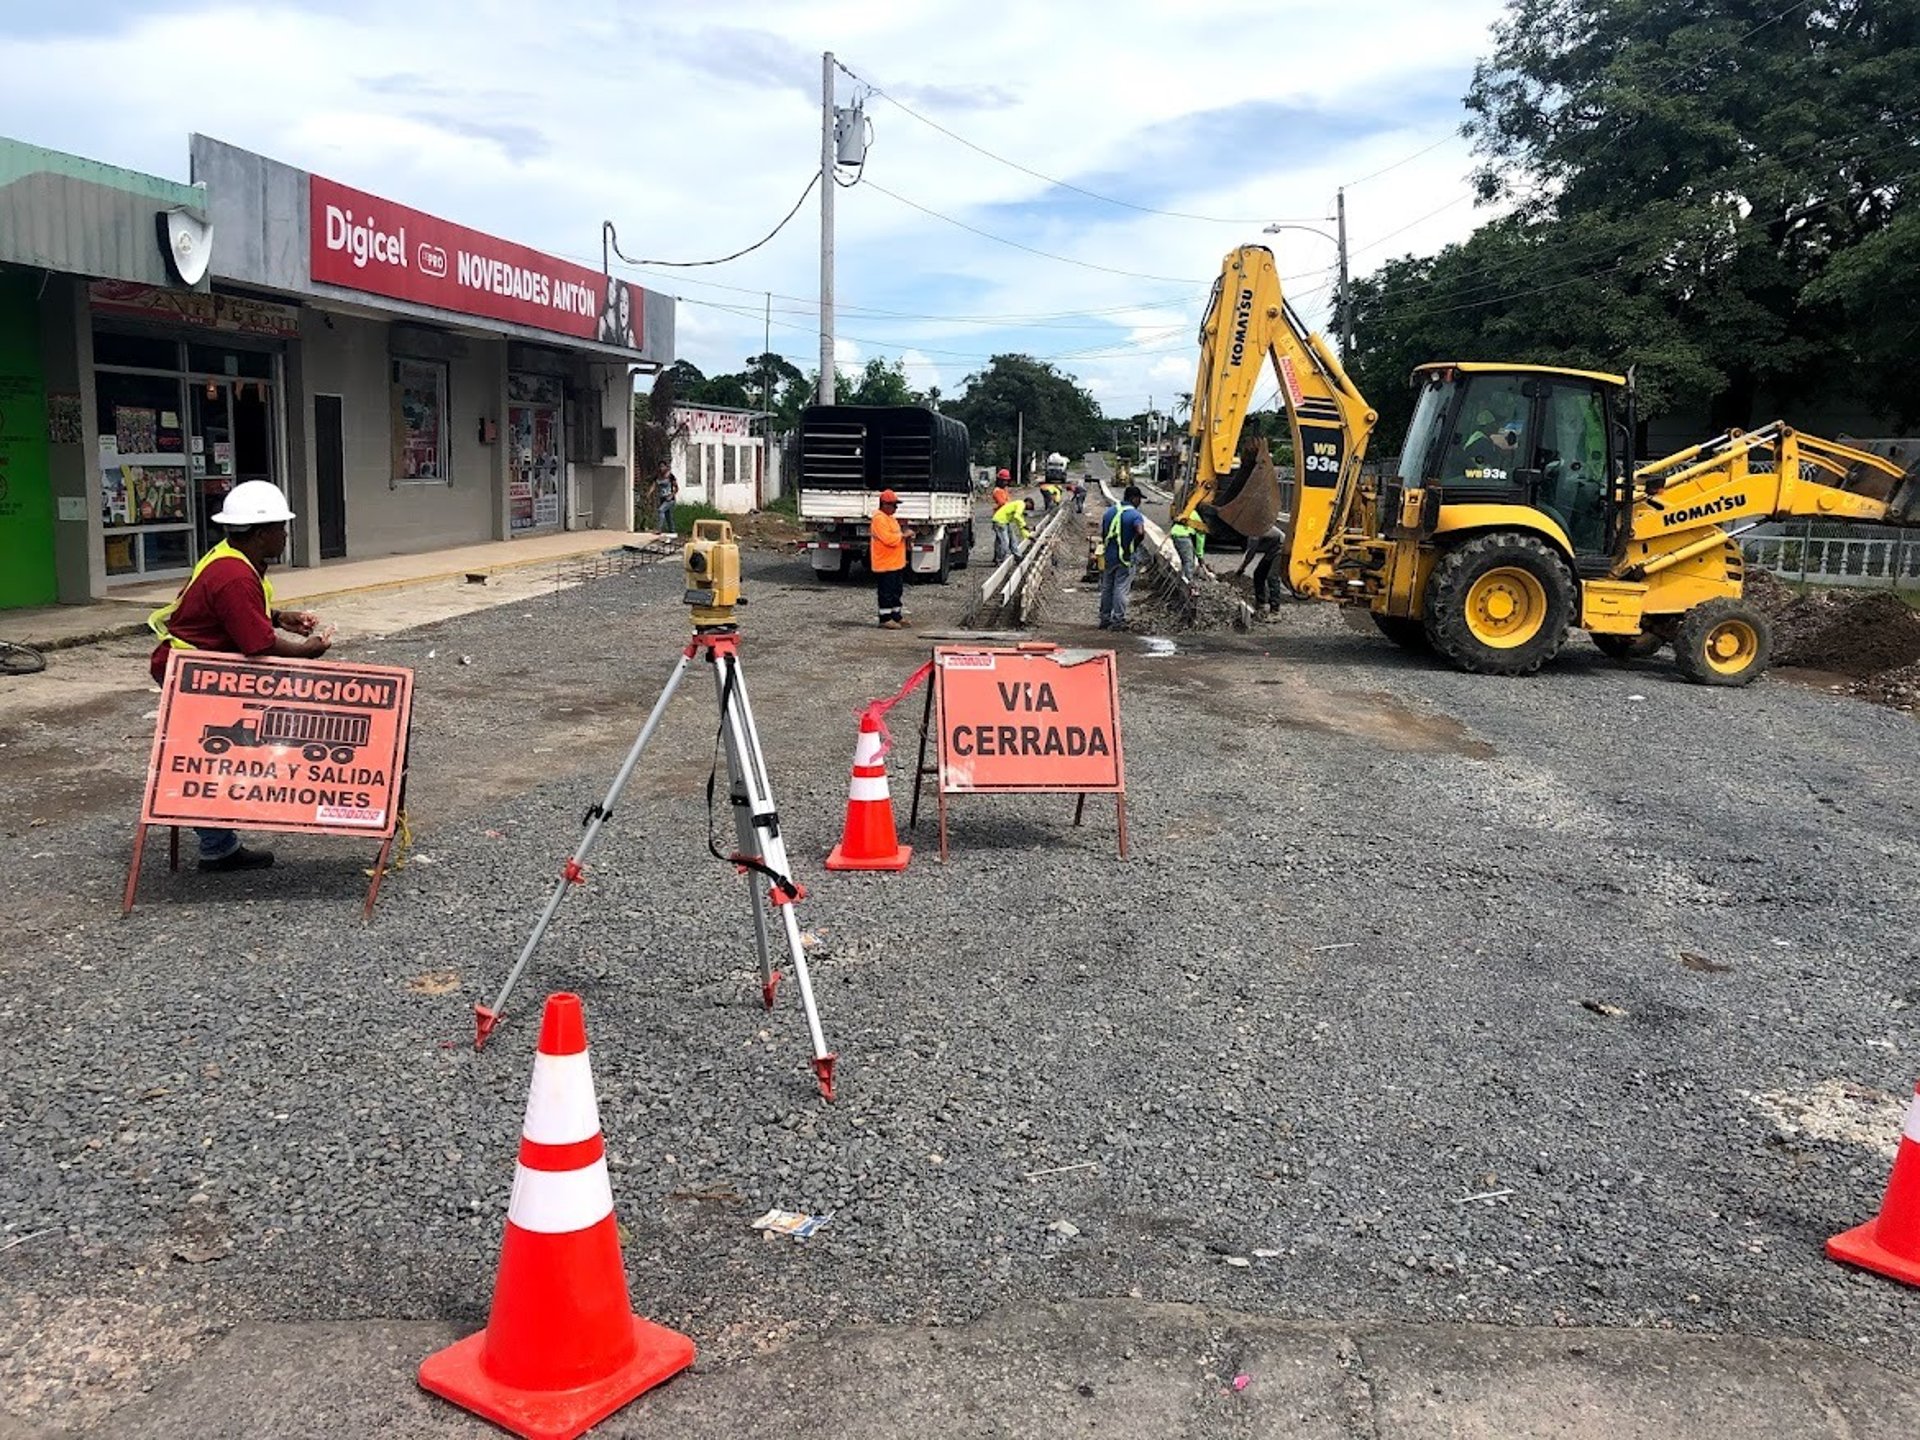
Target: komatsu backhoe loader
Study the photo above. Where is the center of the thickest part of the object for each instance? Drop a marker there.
(1517, 511)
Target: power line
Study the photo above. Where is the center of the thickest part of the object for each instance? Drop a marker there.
(613, 238)
(1452, 133)
(1043, 254)
(1040, 175)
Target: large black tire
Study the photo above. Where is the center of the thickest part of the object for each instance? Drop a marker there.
(1499, 604)
(1409, 634)
(1628, 647)
(1723, 642)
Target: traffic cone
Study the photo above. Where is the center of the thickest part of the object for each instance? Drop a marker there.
(867, 840)
(562, 1349)
(1889, 1244)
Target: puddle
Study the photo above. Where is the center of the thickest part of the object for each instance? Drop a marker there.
(1158, 648)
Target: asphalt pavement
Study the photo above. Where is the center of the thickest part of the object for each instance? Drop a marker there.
(1426, 1000)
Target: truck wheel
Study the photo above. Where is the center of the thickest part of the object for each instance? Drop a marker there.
(1723, 642)
(945, 572)
(315, 753)
(1499, 604)
(1409, 634)
(216, 744)
(1628, 647)
(846, 565)
(343, 754)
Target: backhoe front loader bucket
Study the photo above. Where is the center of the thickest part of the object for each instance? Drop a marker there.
(1256, 505)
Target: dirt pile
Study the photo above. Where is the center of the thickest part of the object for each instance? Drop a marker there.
(1855, 634)
(1872, 637)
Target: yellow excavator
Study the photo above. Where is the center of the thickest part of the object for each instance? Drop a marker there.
(1517, 510)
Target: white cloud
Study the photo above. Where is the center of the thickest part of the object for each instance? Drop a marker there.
(694, 137)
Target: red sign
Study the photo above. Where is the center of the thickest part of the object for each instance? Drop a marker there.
(362, 242)
(300, 745)
(1030, 719)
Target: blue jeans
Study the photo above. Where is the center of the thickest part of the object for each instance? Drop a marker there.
(218, 844)
(666, 516)
(1116, 583)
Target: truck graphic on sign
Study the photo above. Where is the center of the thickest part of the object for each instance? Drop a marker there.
(320, 734)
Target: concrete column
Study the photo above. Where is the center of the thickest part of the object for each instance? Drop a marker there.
(66, 344)
(301, 477)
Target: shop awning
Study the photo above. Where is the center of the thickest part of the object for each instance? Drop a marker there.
(81, 217)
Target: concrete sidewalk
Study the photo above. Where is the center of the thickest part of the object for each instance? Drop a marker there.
(60, 627)
(1123, 1369)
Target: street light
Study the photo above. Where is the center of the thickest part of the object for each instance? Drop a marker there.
(1346, 303)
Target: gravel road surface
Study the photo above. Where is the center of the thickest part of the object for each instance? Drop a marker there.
(1585, 999)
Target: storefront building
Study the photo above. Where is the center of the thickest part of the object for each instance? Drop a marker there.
(411, 383)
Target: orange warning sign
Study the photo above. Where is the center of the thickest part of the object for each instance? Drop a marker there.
(300, 745)
(1031, 719)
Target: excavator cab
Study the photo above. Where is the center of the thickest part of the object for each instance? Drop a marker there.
(1546, 440)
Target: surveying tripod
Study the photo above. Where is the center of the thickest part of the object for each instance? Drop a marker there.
(713, 561)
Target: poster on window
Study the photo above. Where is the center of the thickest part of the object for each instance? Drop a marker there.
(533, 468)
(420, 389)
(142, 495)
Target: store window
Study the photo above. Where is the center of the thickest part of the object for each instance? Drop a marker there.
(142, 469)
(420, 433)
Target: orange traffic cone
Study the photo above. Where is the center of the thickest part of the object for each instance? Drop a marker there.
(562, 1349)
(867, 840)
(1890, 1242)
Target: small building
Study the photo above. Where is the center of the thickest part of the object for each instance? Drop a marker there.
(412, 384)
(722, 459)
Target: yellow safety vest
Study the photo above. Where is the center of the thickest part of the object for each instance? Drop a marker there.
(1013, 513)
(157, 621)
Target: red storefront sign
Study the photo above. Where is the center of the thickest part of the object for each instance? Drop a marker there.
(361, 242)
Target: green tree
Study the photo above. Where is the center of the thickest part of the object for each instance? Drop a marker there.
(1058, 413)
(1709, 186)
(881, 382)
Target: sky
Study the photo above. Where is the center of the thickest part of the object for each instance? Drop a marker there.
(695, 128)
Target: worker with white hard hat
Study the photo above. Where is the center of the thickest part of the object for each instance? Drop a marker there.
(227, 606)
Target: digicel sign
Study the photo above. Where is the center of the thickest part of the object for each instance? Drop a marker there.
(361, 242)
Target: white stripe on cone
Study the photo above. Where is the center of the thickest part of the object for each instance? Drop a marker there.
(1912, 1128)
(866, 750)
(561, 1109)
(865, 789)
(557, 1202)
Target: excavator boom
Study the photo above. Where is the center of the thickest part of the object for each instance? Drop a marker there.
(1248, 323)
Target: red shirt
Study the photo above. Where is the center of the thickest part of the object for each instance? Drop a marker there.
(224, 610)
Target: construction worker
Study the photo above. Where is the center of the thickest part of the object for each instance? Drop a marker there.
(227, 606)
(1266, 553)
(1190, 542)
(1009, 526)
(1123, 527)
(887, 558)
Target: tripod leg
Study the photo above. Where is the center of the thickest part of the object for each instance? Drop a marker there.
(743, 833)
(485, 1017)
(750, 776)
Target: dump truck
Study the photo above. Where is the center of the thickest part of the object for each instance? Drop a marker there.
(850, 453)
(319, 734)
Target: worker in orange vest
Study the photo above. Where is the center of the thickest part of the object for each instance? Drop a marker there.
(887, 558)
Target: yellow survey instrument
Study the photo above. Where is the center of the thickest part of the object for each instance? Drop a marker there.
(712, 562)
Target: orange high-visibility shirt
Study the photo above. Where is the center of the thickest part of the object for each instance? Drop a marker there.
(887, 548)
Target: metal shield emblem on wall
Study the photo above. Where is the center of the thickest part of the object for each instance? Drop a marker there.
(187, 243)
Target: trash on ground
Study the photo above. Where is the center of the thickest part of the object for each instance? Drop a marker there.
(790, 1222)
(1062, 1169)
(1600, 1007)
(1065, 1229)
(1484, 1195)
(1238, 1262)
(1240, 1382)
(1701, 963)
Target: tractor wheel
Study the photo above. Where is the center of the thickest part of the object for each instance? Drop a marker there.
(314, 753)
(1409, 634)
(1499, 604)
(1628, 647)
(1723, 642)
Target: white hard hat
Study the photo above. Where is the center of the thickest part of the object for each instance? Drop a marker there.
(254, 502)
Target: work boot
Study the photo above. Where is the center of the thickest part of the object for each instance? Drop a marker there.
(240, 858)
(891, 625)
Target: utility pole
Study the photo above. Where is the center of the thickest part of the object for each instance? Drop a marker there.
(826, 227)
(1346, 297)
(1019, 446)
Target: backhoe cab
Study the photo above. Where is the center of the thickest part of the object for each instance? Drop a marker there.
(1516, 511)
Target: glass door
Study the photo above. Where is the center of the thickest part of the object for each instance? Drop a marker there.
(211, 459)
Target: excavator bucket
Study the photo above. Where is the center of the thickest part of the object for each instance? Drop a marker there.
(1903, 505)
(1256, 505)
